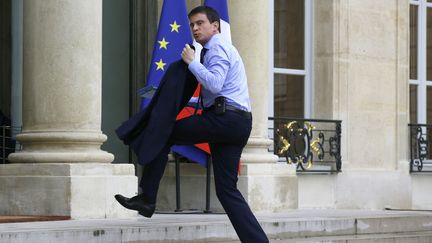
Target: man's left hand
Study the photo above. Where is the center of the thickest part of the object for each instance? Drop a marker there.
(188, 54)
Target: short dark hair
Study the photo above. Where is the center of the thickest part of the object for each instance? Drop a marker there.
(211, 14)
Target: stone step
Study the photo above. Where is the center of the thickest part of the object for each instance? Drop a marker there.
(418, 237)
(297, 226)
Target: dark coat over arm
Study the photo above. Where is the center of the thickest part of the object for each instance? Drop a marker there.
(149, 130)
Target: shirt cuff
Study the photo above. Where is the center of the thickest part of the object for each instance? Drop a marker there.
(194, 66)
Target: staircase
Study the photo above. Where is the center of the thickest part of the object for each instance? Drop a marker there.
(295, 226)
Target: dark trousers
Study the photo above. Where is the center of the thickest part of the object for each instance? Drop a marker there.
(227, 135)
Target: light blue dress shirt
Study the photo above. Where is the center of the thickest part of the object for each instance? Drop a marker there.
(222, 74)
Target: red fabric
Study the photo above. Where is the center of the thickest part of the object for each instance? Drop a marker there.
(189, 111)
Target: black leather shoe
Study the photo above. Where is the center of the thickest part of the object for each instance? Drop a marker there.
(137, 203)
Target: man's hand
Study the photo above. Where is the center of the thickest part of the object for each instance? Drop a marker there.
(188, 54)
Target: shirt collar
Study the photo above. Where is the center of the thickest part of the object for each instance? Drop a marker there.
(214, 39)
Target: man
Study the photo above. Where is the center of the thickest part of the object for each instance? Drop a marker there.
(225, 124)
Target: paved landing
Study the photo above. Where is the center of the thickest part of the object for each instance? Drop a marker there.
(293, 226)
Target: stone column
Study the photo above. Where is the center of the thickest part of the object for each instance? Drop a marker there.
(61, 169)
(247, 17)
(62, 83)
(267, 185)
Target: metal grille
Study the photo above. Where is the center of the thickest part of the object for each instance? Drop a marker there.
(420, 137)
(312, 145)
(8, 145)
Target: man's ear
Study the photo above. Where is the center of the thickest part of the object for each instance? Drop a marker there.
(216, 24)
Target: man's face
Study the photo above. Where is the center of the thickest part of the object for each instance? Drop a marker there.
(202, 29)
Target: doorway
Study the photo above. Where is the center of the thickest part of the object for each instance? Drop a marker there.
(5, 58)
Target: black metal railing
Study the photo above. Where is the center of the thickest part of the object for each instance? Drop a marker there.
(178, 158)
(7, 143)
(313, 145)
(420, 135)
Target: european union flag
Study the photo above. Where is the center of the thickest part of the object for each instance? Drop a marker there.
(173, 33)
(221, 6)
(199, 153)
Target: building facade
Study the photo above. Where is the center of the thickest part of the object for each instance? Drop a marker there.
(71, 70)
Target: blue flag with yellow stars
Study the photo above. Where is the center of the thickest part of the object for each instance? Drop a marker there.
(221, 6)
(173, 33)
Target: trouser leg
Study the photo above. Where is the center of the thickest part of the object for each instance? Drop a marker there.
(227, 135)
(225, 163)
(152, 174)
(191, 130)
(183, 134)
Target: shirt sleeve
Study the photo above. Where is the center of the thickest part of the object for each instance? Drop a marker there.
(213, 76)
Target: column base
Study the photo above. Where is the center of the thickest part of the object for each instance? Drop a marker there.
(266, 188)
(256, 151)
(75, 190)
(61, 157)
(269, 187)
(61, 147)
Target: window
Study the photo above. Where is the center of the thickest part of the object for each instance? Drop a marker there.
(420, 70)
(291, 85)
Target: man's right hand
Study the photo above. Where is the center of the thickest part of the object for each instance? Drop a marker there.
(188, 54)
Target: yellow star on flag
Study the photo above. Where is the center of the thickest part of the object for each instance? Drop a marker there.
(175, 27)
(160, 65)
(163, 44)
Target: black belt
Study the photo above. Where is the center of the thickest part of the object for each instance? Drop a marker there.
(245, 114)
